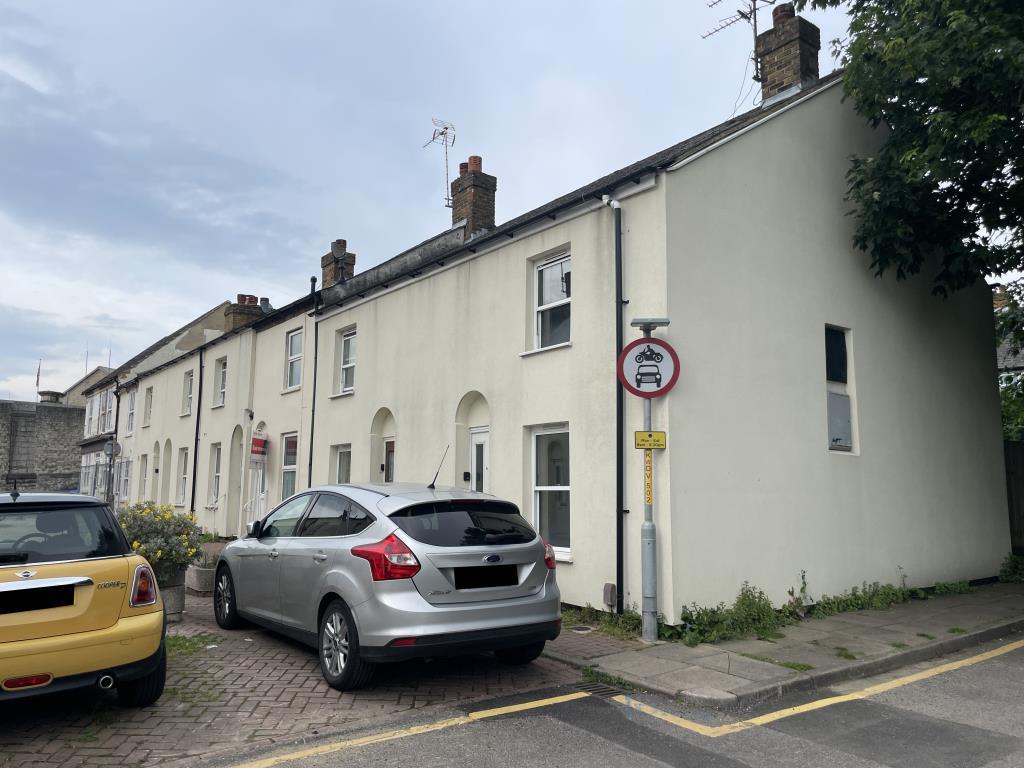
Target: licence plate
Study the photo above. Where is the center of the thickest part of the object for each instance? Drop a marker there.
(39, 599)
(480, 576)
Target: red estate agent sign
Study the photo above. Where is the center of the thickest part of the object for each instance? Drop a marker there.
(648, 367)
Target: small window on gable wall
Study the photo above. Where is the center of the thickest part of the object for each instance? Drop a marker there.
(838, 393)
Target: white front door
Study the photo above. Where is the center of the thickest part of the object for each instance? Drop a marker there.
(479, 459)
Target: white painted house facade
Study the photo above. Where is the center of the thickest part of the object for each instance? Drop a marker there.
(824, 420)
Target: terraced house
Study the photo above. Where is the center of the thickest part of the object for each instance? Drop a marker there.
(824, 420)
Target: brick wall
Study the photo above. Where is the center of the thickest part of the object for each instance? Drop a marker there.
(41, 440)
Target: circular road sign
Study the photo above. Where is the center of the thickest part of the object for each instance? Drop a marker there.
(648, 367)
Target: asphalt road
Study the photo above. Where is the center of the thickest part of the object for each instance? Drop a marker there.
(971, 717)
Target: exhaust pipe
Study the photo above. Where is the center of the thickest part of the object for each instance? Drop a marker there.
(106, 682)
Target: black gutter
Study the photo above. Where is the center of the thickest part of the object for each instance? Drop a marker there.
(620, 452)
(316, 358)
(113, 437)
(198, 402)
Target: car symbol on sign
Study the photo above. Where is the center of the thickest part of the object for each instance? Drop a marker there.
(648, 373)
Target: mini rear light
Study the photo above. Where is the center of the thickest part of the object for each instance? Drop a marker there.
(549, 556)
(143, 587)
(13, 683)
(389, 559)
(403, 641)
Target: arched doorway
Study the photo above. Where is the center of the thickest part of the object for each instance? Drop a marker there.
(383, 442)
(165, 475)
(473, 442)
(154, 486)
(232, 522)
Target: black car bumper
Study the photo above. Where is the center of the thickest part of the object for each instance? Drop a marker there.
(459, 643)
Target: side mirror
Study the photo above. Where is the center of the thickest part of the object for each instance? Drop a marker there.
(252, 529)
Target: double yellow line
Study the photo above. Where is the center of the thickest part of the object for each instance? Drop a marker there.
(711, 731)
(714, 731)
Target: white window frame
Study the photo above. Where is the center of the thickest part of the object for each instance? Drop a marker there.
(347, 338)
(147, 410)
(846, 390)
(291, 359)
(215, 458)
(344, 449)
(182, 476)
(143, 475)
(130, 418)
(539, 309)
(89, 407)
(107, 411)
(286, 468)
(220, 394)
(126, 475)
(186, 392)
(562, 554)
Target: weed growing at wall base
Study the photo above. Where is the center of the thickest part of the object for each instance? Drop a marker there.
(1012, 569)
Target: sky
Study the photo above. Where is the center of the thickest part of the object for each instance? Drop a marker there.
(159, 157)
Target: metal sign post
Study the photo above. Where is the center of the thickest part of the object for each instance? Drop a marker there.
(649, 368)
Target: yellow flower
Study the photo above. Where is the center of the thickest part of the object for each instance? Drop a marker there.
(159, 552)
(135, 545)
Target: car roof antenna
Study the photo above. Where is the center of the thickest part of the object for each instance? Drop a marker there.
(431, 486)
(15, 494)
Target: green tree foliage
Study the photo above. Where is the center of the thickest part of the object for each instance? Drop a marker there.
(1011, 394)
(944, 195)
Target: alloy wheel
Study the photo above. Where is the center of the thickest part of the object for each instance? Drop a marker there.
(224, 595)
(334, 646)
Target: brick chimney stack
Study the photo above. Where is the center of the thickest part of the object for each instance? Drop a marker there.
(338, 266)
(788, 52)
(473, 197)
(245, 309)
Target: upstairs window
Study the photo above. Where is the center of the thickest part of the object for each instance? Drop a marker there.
(186, 394)
(554, 293)
(293, 351)
(147, 410)
(89, 407)
(107, 413)
(221, 382)
(347, 366)
(130, 419)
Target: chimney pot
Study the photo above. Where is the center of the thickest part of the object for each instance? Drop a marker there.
(337, 266)
(476, 164)
(463, 169)
(339, 247)
(240, 299)
(782, 12)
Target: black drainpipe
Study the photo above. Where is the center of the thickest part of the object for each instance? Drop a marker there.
(620, 453)
(197, 401)
(316, 353)
(117, 412)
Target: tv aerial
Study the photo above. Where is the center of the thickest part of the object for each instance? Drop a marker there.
(444, 134)
(747, 13)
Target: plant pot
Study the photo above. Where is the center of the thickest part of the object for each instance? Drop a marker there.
(170, 577)
(199, 579)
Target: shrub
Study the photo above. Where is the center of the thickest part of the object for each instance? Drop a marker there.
(872, 596)
(952, 587)
(1012, 569)
(752, 613)
(164, 537)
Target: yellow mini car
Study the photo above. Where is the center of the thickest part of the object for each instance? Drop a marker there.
(77, 607)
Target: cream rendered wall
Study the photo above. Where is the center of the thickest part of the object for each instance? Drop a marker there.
(759, 262)
(422, 347)
(168, 424)
(280, 409)
(222, 424)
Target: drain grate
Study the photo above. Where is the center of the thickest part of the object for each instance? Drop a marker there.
(600, 690)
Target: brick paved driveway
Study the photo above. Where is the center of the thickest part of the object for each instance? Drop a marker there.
(253, 688)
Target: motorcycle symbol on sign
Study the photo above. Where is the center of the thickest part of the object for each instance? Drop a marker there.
(649, 354)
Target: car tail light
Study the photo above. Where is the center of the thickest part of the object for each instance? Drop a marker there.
(549, 556)
(13, 683)
(143, 587)
(389, 559)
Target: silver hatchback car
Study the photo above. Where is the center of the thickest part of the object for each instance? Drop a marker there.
(377, 573)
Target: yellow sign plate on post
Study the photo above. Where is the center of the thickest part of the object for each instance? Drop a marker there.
(649, 439)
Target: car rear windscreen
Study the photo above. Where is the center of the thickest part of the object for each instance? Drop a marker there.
(37, 534)
(464, 523)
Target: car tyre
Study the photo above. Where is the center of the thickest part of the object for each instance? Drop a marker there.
(225, 606)
(145, 690)
(338, 648)
(522, 654)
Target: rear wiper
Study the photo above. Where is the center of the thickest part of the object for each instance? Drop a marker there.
(14, 557)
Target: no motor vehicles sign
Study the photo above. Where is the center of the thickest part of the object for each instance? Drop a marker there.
(648, 367)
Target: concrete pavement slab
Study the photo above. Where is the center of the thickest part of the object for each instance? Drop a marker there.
(742, 666)
(638, 663)
(684, 653)
(698, 677)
